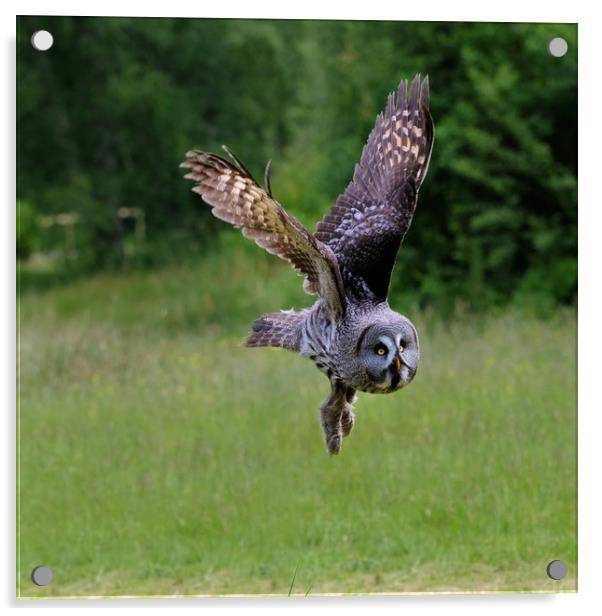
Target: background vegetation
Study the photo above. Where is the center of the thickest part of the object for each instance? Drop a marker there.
(157, 456)
(107, 114)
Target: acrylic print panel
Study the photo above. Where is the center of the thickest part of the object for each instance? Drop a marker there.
(157, 455)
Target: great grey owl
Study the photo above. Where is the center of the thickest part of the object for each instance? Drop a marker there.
(350, 333)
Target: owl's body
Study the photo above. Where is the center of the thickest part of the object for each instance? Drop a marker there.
(328, 343)
(350, 333)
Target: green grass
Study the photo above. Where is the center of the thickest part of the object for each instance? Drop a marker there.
(158, 456)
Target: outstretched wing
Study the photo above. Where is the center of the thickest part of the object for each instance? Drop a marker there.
(369, 220)
(236, 198)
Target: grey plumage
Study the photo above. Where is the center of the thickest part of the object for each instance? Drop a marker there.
(350, 333)
(278, 329)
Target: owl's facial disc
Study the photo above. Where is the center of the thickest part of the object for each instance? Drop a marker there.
(389, 354)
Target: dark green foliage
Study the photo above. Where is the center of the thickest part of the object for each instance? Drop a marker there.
(27, 230)
(105, 117)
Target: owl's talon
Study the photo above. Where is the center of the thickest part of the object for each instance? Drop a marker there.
(347, 422)
(333, 444)
(336, 416)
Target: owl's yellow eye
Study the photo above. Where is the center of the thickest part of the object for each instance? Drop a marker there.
(381, 350)
(401, 348)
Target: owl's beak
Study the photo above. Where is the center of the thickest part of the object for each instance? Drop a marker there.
(401, 372)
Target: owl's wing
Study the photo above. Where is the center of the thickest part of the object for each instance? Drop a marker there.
(236, 198)
(369, 220)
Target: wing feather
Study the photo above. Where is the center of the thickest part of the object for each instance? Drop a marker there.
(370, 219)
(236, 198)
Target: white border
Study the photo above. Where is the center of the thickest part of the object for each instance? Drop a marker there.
(590, 214)
(460, 10)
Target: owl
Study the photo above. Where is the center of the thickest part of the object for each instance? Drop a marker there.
(350, 333)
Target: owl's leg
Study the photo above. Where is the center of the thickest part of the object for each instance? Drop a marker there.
(348, 416)
(336, 415)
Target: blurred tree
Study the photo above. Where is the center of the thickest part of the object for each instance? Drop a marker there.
(105, 117)
(27, 230)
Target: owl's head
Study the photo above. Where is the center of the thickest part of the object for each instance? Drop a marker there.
(390, 354)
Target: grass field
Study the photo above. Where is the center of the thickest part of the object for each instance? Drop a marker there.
(158, 456)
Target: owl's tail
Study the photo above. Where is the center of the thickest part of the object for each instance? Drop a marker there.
(278, 329)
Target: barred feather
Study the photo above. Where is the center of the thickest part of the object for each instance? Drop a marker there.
(236, 198)
(369, 220)
(278, 329)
